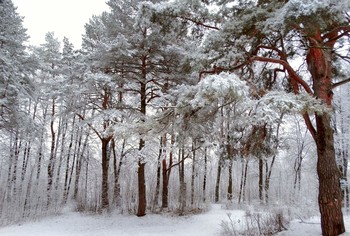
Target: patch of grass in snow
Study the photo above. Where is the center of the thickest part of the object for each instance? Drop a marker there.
(255, 223)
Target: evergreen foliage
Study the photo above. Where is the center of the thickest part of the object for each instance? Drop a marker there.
(170, 105)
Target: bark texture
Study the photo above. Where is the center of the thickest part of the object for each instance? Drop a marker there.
(329, 199)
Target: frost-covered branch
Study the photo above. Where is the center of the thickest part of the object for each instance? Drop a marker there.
(218, 70)
(329, 35)
(197, 22)
(289, 69)
(93, 129)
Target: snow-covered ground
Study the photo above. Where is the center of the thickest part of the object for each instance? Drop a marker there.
(206, 224)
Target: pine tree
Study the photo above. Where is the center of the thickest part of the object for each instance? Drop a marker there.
(15, 84)
(141, 62)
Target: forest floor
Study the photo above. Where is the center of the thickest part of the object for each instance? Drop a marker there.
(204, 224)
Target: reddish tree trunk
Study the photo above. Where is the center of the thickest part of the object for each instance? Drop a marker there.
(329, 199)
(319, 61)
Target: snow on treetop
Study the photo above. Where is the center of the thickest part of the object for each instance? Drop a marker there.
(214, 87)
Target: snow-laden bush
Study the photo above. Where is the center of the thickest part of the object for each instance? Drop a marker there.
(255, 223)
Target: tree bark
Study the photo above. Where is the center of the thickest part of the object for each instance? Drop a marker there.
(329, 199)
(218, 177)
(141, 168)
(319, 61)
(165, 184)
(182, 198)
(205, 174)
(157, 190)
(51, 165)
(141, 211)
(193, 174)
(230, 184)
(66, 176)
(116, 171)
(164, 173)
(142, 190)
(105, 160)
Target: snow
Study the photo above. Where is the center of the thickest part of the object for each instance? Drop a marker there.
(205, 224)
(310, 227)
(123, 225)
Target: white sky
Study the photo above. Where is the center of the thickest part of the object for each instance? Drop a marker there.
(64, 17)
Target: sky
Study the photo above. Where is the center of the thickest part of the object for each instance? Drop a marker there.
(63, 17)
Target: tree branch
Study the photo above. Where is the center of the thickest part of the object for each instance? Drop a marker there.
(95, 131)
(287, 67)
(329, 35)
(340, 83)
(218, 70)
(309, 125)
(297, 79)
(197, 22)
(178, 163)
(282, 55)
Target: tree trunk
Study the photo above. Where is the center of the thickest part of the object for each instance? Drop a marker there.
(142, 204)
(116, 170)
(193, 174)
(329, 199)
(157, 190)
(59, 167)
(166, 171)
(205, 174)
(142, 190)
(79, 165)
(75, 156)
(77, 169)
(245, 179)
(230, 184)
(18, 147)
(26, 157)
(261, 180)
(105, 160)
(141, 211)
(268, 178)
(217, 185)
(51, 165)
(165, 191)
(183, 194)
(66, 176)
(165, 184)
